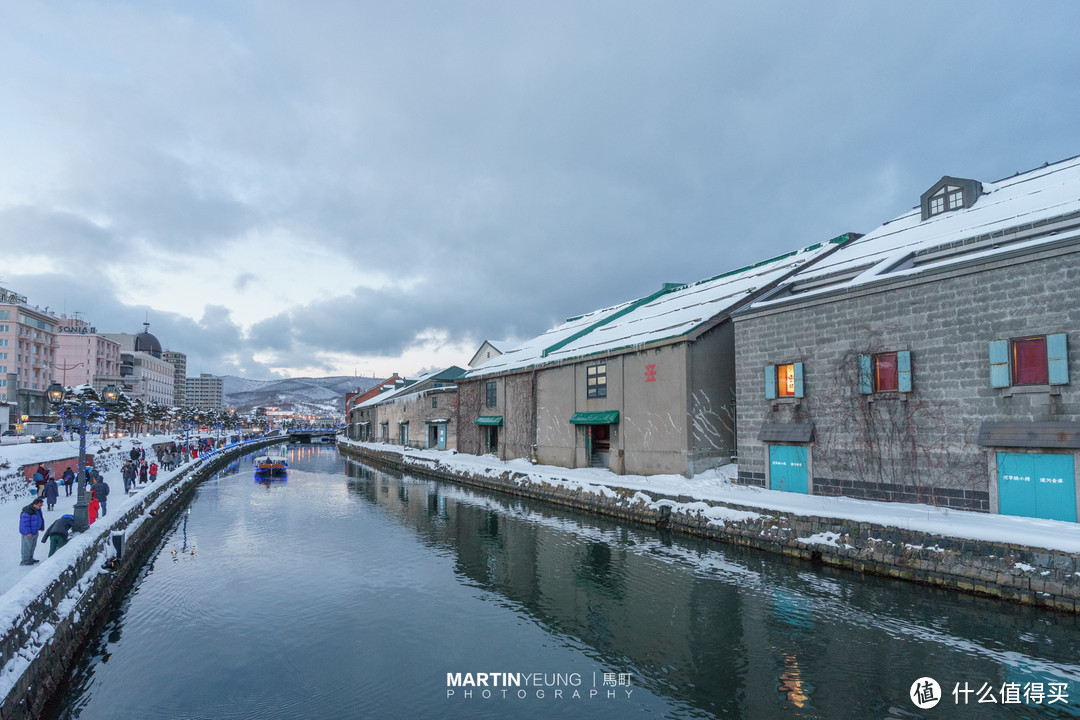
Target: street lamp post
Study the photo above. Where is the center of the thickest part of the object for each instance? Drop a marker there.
(83, 410)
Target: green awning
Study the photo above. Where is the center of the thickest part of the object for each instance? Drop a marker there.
(489, 420)
(606, 417)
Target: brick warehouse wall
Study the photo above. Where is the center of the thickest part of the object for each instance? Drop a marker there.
(918, 446)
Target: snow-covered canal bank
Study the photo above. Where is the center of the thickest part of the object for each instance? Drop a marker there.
(345, 592)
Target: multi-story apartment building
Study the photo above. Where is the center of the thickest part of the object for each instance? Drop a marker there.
(145, 375)
(27, 354)
(206, 391)
(84, 356)
(179, 362)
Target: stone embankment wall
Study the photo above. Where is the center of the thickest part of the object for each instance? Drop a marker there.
(40, 644)
(1029, 575)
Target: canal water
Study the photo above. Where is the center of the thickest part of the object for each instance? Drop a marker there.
(345, 592)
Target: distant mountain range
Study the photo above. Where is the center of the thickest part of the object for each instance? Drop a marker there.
(312, 396)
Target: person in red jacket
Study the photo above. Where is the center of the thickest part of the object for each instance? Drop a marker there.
(153, 471)
(93, 507)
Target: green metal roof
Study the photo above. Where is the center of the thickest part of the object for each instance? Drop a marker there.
(489, 420)
(606, 417)
(630, 307)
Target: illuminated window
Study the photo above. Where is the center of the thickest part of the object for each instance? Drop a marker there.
(1029, 361)
(785, 380)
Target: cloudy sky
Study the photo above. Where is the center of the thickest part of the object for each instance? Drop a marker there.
(328, 187)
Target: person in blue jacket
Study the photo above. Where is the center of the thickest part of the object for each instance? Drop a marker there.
(31, 522)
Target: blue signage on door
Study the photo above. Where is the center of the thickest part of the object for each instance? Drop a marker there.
(787, 468)
(1040, 485)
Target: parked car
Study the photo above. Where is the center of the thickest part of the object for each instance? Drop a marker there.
(48, 436)
(13, 433)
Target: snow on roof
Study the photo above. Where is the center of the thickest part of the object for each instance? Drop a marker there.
(448, 375)
(672, 312)
(388, 392)
(1026, 210)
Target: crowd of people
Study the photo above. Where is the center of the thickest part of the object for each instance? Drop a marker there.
(136, 472)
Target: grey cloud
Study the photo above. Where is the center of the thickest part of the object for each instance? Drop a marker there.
(243, 280)
(526, 162)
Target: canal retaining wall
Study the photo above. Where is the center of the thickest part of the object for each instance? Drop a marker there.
(1008, 571)
(47, 623)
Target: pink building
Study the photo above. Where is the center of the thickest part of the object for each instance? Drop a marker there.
(83, 356)
(27, 344)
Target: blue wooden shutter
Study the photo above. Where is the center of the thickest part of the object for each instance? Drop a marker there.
(866, 386)
(999, 363)
(903, 371)
(798, 380)
(770, 382)
(1057, 359)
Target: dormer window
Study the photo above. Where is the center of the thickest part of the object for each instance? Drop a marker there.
(949, 193)
(948, 197)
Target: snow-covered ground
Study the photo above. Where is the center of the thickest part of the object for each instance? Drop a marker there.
(15, 495)
(717, 487)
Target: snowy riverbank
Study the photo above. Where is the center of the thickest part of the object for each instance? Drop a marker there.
(1026, 560)
(716, 487)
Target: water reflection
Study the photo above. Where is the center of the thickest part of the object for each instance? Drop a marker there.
(728, 631)
(351, 593)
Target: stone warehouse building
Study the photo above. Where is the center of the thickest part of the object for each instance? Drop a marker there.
(357, 419)
(644, 387)
(419, 414)
(933, 360)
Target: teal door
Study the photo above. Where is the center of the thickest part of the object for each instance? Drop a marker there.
(442, 437)
(787, 468)
(1040, 485)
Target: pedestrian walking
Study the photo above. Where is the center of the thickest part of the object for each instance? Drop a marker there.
(134, 454)
(40, 476)
(31, 522)
(100, 490)
(153, 472)
(128, 473)
(58, 533)
(69, 481)
(52, 492)
(144, 471)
